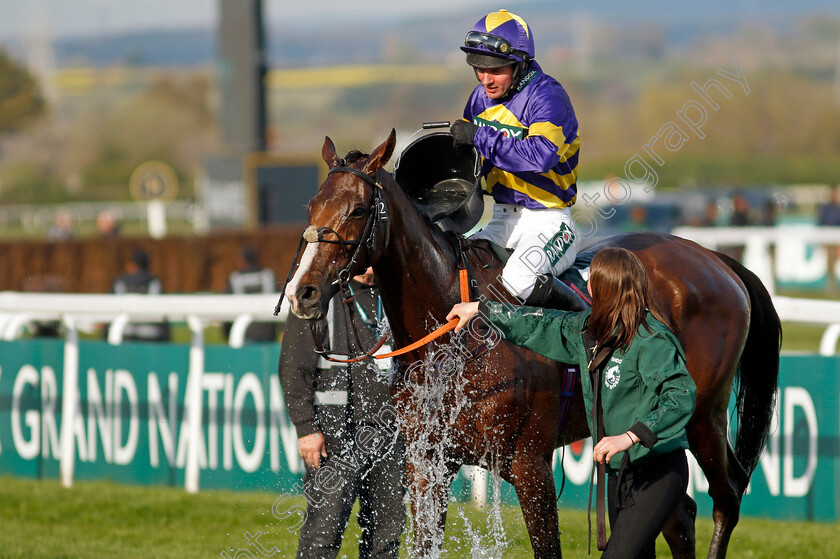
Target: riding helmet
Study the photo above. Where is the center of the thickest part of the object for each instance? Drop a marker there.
(499, 39)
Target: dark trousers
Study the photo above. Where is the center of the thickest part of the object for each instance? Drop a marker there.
(640, 503)
(376, 478)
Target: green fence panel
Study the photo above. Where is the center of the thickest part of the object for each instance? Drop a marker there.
(30, 407)
(130, 427)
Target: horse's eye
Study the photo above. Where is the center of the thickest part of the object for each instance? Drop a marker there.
(358, 212)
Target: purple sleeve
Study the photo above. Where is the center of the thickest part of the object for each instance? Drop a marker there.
(535, 154)
(468, 110)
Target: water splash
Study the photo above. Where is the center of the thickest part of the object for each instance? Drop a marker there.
(495, 543)
(437, 398)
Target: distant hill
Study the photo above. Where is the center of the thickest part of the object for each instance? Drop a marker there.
(188, 47)
(369, 39)
(669, 12)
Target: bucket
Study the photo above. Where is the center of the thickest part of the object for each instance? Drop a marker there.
(442, 181)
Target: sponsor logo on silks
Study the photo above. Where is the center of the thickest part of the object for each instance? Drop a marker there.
(557, 246)
(612, 376)
(526, 80)
(506, 129)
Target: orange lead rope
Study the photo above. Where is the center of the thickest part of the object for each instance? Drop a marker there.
(465, 286)
(465, 298)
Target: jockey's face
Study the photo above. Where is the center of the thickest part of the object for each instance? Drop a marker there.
(496, 81)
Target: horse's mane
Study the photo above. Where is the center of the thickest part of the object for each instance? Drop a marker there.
(354, 156)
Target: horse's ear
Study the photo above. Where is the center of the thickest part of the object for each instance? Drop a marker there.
(328, 153)
(381, 154)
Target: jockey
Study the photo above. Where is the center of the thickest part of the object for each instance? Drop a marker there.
(522, 124)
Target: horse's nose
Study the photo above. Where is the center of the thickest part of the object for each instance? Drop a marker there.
(308, 295)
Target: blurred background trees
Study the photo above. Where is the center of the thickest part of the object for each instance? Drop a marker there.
(131, 97)
(88, 150)
(20, 101)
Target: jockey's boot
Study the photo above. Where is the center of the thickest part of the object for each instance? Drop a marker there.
(551, 293)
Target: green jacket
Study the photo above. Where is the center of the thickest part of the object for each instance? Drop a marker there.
(646, 390)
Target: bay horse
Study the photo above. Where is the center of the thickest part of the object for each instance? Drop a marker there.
(501, 410)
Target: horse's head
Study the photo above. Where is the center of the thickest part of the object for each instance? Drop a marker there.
(344, 227)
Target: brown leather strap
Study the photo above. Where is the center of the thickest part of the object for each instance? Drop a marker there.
(596, 365)
(599, 506)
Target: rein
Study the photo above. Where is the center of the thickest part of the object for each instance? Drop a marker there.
(437, 333)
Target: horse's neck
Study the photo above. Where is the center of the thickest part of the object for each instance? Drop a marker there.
(415, 272)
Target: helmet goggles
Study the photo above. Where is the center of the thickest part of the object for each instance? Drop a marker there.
(493, 44)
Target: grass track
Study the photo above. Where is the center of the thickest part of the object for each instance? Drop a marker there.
(97, 519)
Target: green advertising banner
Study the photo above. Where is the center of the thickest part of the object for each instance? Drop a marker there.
(131, 428)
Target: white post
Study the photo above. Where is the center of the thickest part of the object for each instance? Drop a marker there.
(156, 217)
(4, 319)
(828, 343)
(478, 485)
(14, 326)
(238, 329)
(757, 258)
(193, 403)
(117, 328)
(70, 395)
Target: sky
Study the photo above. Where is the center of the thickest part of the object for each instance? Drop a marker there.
(88, 17)
(69, 18)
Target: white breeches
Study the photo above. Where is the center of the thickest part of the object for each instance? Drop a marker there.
(543, 242)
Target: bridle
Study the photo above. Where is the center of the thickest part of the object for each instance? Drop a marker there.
(377, 219)
(377, 216)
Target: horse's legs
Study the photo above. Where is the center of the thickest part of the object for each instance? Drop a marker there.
(679, 530)
(534, 482)
(429, 496)
(727, 478)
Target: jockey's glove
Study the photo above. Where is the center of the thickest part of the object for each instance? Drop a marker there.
(463, 133)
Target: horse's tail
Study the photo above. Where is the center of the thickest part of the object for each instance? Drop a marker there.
(758, 374)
